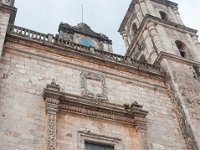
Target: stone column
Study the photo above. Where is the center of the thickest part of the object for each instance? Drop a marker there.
(125, 38)
(7, 15)
(141, 128)
(156, 39)
(173, 16)
(139, 13)
(193, 49)
(196, 41)
(143, 139)
(150, 8)
(167, 45)
(52, 100)
(143, 7)
(175, 10)
(150, 47)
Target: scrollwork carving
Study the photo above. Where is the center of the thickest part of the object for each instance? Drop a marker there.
(143, 141)
(84, 87)
(51, 132)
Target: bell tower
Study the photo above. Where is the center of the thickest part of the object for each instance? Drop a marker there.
(152, 26)
(7, 16)
(154, 32)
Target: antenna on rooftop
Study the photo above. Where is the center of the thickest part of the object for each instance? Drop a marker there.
(82, 13)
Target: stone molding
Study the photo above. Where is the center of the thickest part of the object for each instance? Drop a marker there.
(9, 9)
(93, 76)
(66, 102)
(56, 100)
(44, 39)
(176, 58)
(52, 101)
(51, 132)
(185, 127)
(143, 139)
(88, 136)
(155, 20)
(131, 8)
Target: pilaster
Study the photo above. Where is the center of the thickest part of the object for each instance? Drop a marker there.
(195, 52)
(125, 37)
(196, 42)
(52, 101)
(143, 139)
(150, 8)
(165, 39)
(143, 7)
(154, 34)
(7, 15)
(175, 10)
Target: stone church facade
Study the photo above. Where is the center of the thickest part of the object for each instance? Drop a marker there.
(70, 92)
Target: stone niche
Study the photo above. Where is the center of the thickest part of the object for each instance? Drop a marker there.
(93, 86)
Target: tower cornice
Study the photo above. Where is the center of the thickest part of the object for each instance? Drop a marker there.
(157, 20)
(131, 7)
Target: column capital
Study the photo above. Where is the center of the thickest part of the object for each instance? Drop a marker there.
(52, 96)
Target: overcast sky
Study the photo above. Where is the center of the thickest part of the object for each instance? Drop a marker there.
(103, 16)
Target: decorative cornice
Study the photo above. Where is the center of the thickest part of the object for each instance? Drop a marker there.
(131, 7)
(68, 47)
(52, 99)
(166, 55)
(135, 115)
(166, 2)
(156, 20)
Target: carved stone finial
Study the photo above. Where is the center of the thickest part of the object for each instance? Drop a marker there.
(53, 86)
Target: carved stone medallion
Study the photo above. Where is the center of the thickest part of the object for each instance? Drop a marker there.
(93, 86)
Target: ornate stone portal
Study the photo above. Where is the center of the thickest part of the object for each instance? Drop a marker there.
(56, 100)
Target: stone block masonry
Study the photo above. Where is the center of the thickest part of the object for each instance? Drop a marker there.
(4, 20)
(25, 72)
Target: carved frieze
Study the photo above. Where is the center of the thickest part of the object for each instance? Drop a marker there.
(96, 81)
(52, 101)
(51, 132)
(143, 141)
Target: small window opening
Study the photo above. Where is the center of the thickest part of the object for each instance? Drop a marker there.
(182, 48)
(163, 16)
(134, 28)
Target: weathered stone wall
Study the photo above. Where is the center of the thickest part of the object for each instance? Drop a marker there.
(4, 19)
(171, 12)
(186, 38)
(25, 71)
(188, 80)
(183, 80)
(70, 125)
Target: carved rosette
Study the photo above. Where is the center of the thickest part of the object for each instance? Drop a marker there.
(85, 76)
